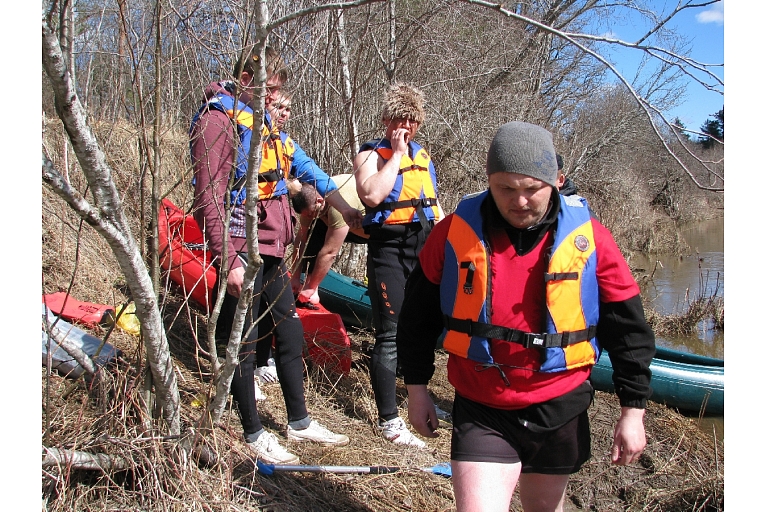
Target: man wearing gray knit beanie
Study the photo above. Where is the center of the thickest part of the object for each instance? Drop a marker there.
(522, 169)
(517, 282)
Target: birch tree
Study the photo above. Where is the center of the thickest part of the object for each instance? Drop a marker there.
(107, 216)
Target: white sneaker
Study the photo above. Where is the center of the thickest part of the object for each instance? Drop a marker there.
(395, 431)
(318, 434)
(268, 374)
(257, 390)
(267, 449)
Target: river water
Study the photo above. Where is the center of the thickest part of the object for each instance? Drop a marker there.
(677, 280)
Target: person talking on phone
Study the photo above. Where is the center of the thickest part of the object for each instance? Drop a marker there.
(397, 183)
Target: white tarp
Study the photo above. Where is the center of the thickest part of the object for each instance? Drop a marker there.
(60, 360)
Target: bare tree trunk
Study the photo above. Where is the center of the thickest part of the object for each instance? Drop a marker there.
(59, 335)
(224, 379)
(152, 250)
(83, 460)
(346, 91)
(390, 66)
(66, 36)
(108, 218)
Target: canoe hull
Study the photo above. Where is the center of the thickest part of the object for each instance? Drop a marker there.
(61, 361)
(328, 344)
(182, 254)
(349, 298)
(80, 312)
(688, 382)
(688, 387)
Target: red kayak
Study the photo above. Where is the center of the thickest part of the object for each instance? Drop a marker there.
(184, 256)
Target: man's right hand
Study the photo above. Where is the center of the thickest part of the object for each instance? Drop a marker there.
(352, 217)
(235, 281)
(421, 410)
(309, 295)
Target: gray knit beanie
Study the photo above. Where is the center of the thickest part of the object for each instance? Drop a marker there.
(523, 148)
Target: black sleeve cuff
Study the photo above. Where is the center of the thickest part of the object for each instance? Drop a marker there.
(631, 344)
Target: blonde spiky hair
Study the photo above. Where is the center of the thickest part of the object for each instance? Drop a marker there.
(403, 101)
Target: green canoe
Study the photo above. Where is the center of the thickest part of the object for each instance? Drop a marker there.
(688, 382)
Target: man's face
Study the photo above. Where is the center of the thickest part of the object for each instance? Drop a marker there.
(522, 200)
(407, 124)
(314, 210)
(280, 110)
(273, 86)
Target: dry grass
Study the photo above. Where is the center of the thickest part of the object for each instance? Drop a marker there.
(707, 310)
(702, 309)
(682, 468)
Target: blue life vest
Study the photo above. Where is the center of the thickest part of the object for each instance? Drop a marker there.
(276, 156)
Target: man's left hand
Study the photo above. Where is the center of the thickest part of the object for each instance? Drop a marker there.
(628, 436)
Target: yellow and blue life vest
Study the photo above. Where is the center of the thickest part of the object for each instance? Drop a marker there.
(414, 195)
(277, 150)
(571, 290)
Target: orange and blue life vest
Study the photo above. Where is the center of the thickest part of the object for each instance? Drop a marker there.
(414, 196)
(277, 149)
(571, 291)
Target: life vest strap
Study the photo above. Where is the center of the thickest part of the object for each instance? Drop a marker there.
(418, 202)
(264, 177)
(270, 176)
(526, 339)
(413, 167)
(561, 276)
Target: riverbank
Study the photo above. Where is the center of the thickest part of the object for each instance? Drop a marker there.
(682, 468)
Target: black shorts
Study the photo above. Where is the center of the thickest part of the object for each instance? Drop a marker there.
(485, 434)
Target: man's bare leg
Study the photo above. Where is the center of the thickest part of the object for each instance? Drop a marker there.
(486, 486)
(542, 493)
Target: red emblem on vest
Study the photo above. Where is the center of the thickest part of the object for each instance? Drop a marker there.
(581, 242)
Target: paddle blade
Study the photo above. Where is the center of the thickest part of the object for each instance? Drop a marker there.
(265, 469)
(442, 469)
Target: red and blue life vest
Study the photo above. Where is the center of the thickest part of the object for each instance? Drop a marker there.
(414, 196)
(571, 291)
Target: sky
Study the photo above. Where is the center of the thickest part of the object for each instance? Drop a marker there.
(704, 28)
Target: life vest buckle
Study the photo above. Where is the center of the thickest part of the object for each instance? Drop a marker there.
(468, 289)
(534, 340)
